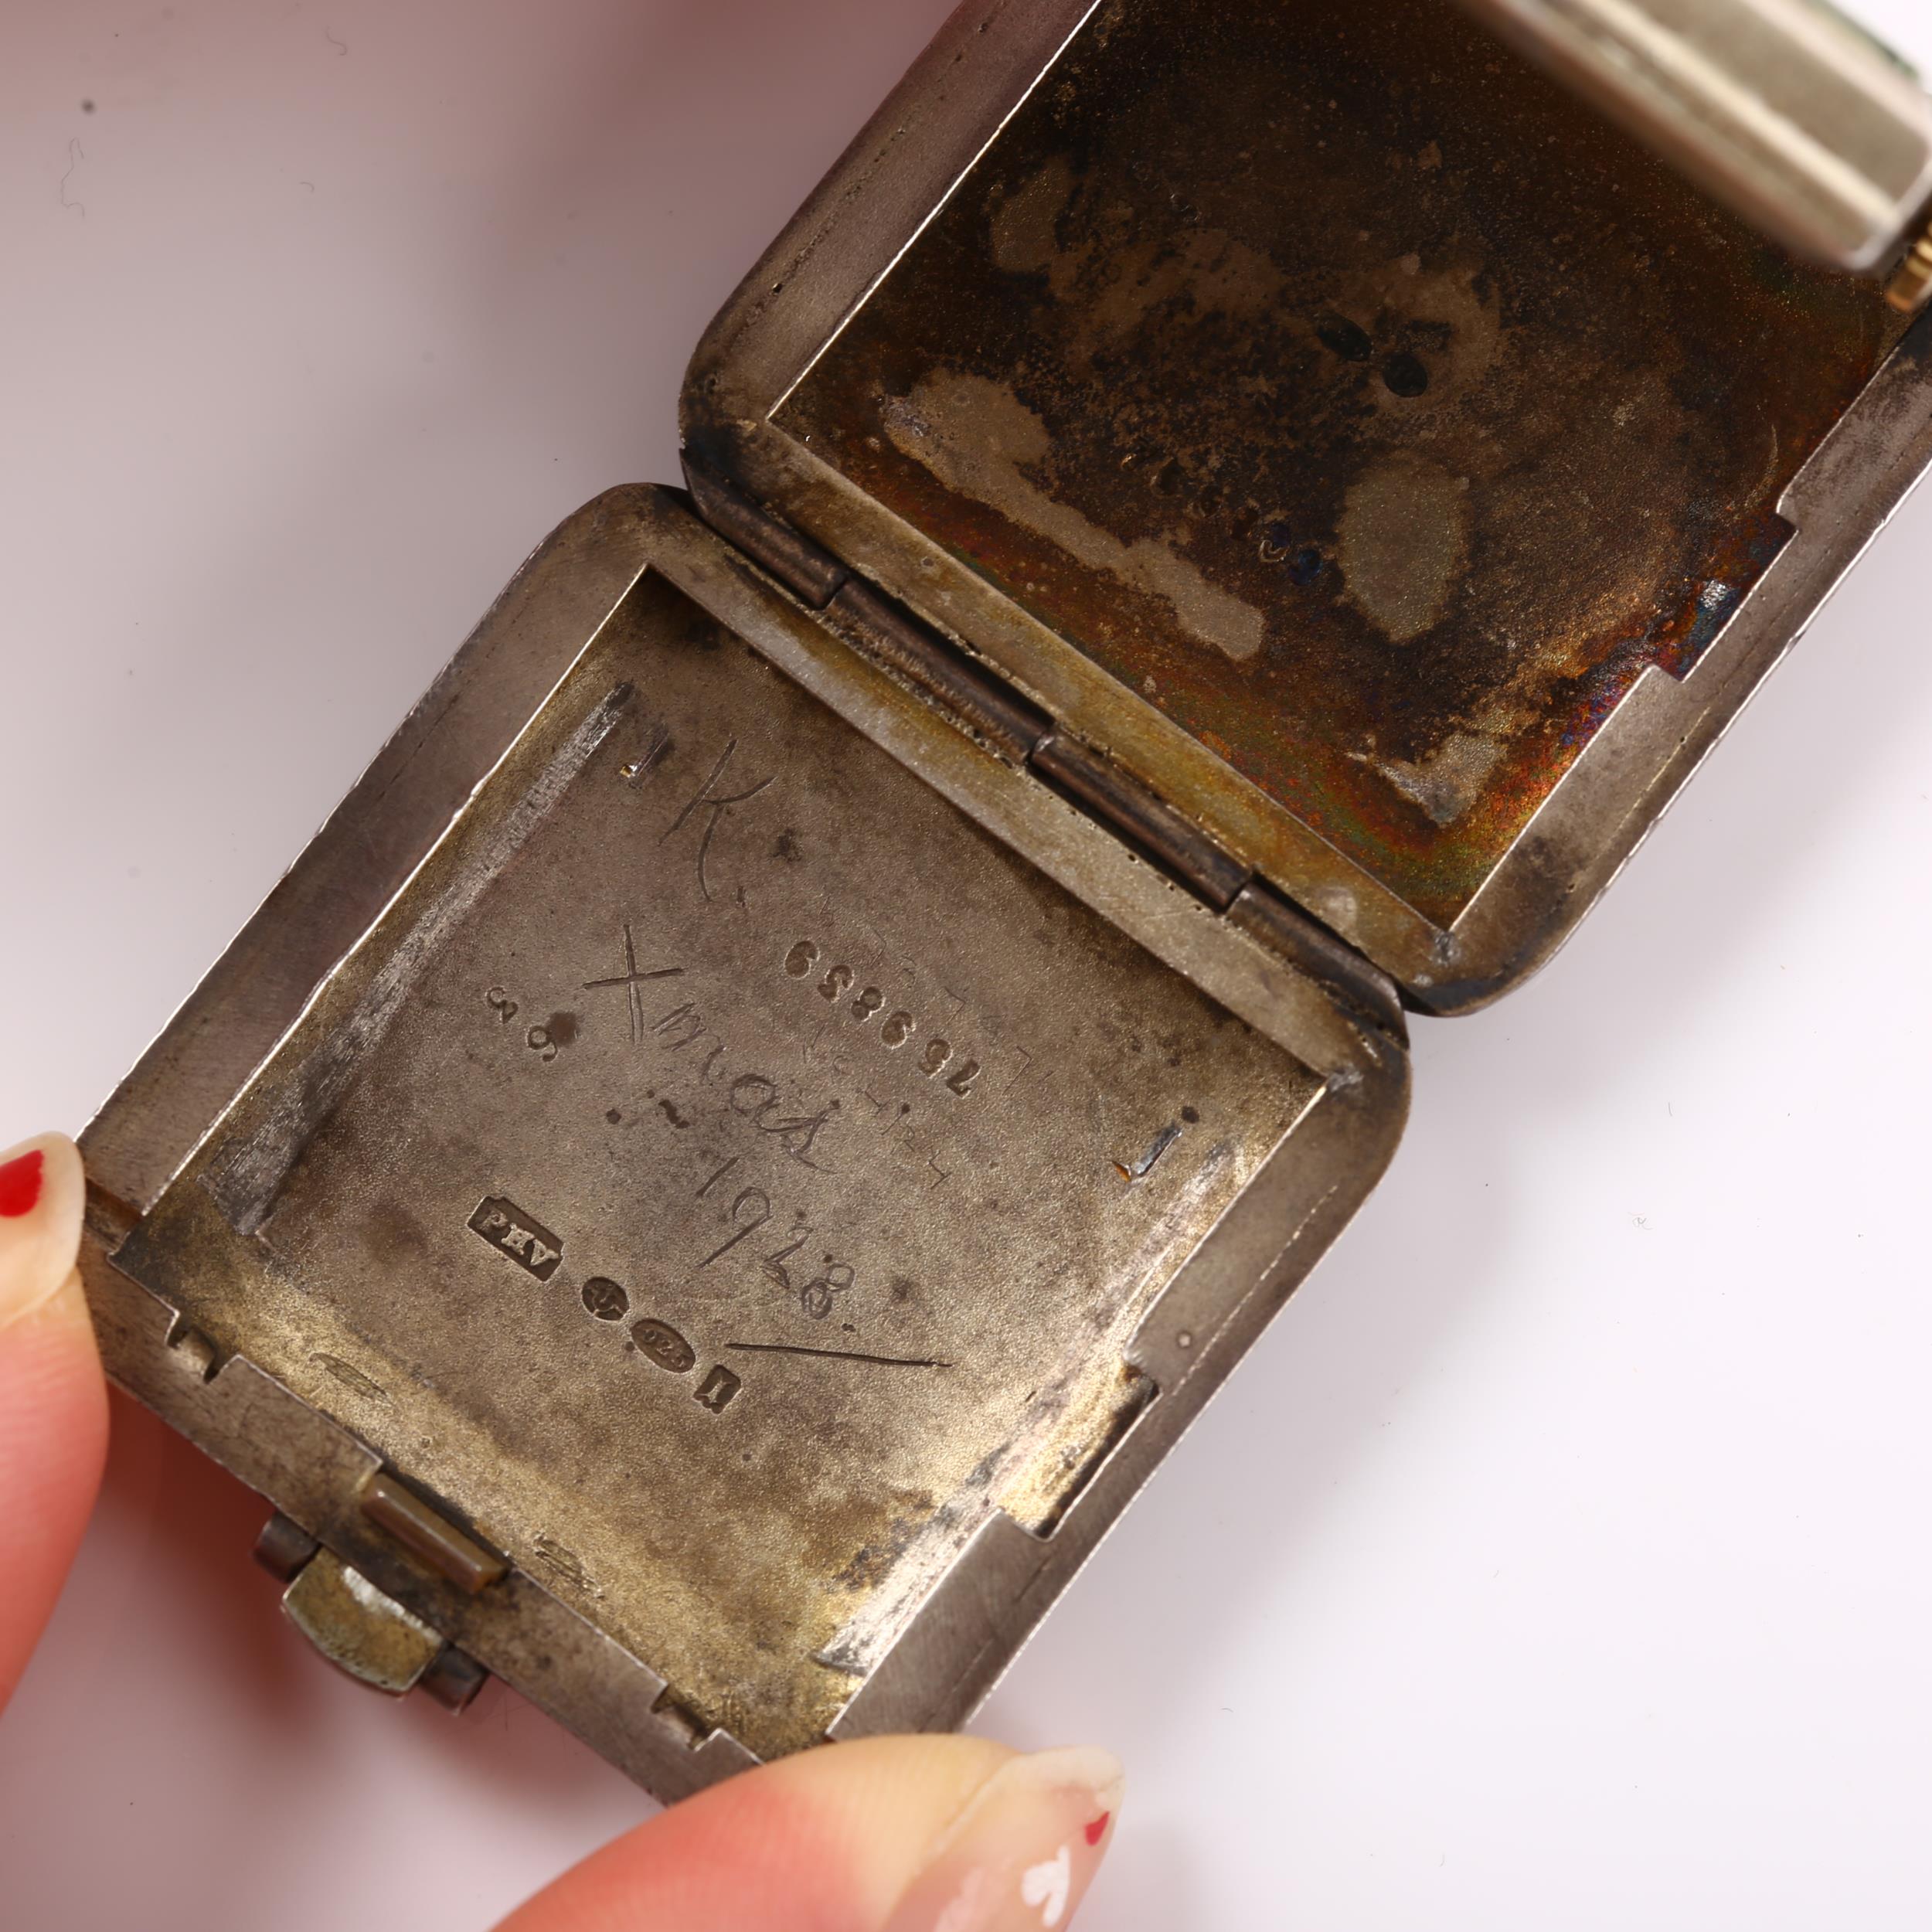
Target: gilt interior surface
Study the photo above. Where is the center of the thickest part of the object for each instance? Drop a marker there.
(1365, 404)
(726, 1174)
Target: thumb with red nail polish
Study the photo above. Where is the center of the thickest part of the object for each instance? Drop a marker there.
(53, 1404)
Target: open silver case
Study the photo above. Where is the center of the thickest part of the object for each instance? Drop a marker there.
(842, 1013)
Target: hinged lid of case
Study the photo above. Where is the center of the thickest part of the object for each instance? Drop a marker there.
(1326, 415)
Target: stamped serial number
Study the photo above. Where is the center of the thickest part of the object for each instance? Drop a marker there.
(896, 1030)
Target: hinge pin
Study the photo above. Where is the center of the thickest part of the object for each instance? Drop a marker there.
(437, 1541)
(1910, 287)
(284, 1547)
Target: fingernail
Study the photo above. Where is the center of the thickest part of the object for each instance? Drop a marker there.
(1022, 1853)
(41, 1189)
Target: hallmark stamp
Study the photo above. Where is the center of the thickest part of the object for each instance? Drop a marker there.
(565, 1564)
(352, 1377)
(717, 1390)
(606, 1299)
(521, 1237)
(664, 1345)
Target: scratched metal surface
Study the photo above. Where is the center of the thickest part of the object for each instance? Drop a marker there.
(715, 1180)
(1367, 406)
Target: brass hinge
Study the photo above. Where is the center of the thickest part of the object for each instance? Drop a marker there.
(987, 708)
(358, 1628)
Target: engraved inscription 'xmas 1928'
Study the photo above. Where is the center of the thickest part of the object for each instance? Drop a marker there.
(751, 1208)
(759, 1219)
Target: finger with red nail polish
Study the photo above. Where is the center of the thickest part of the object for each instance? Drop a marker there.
(53, 1404)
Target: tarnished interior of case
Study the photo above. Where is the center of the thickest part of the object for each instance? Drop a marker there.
(724, 1177)
(1361, 400)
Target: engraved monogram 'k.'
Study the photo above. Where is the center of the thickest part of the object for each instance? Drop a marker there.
(715, 805)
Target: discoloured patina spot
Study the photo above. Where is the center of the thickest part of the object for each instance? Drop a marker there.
(1404, 534)
(978, 438)
(1446, 783)
(1025, 227)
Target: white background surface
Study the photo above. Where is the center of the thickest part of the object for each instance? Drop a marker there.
(1559, 1560)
